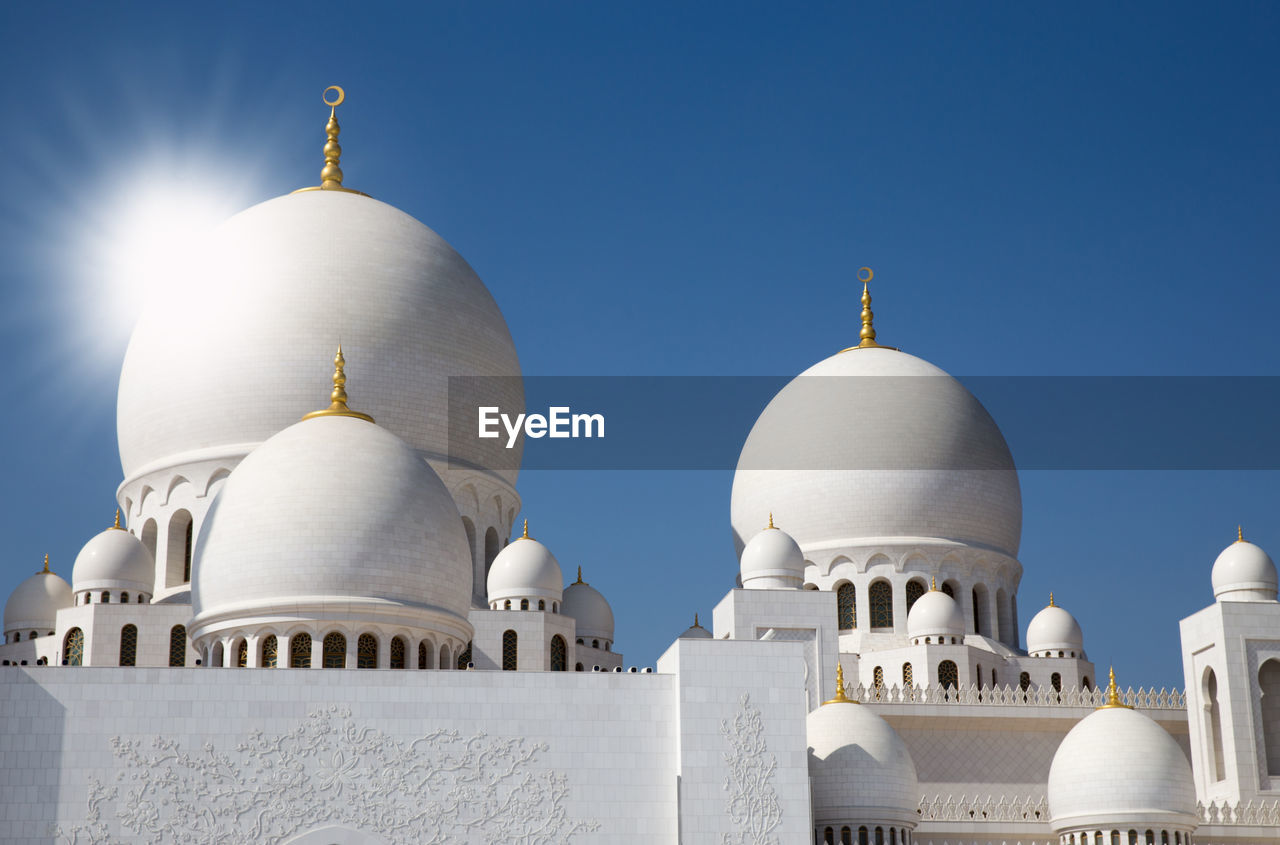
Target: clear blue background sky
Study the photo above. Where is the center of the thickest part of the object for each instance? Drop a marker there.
(674, 188)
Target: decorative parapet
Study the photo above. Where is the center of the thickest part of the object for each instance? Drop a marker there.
(1142, 699)
(1263, 814)
(989, 809)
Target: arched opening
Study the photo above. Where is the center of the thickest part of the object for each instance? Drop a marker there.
(1086, 683)
(215, 656)
(558, 653)
(877, 679)
(464, 657)
(106, 598)
(73, 648)
(300, 651)
(1213, 726)
(509, 650)
(863, 836)
(270, 653)
(242, 654)
(846, 607)
(397, 653)
(949, 588)
(149, 533)
(1003, 631)
(444, 655)
(424, 655)
(948, 675)
(178, 645)
(129, 645)
(906, 676)
(879, 836)
(542, 605)
(915, 589)
(578, 667)
(491, 549)
(524, 604)
(334, 651)
(881, 597)
(124, 598)
(1055, 681)
(470, 528)
(367, 651)
(980, 620)
(1269, 686)
(178, 549)
(846, 835)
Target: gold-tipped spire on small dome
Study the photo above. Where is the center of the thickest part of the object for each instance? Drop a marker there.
(1113, 694)
(933, 584)
(46, 562)
(771, 525)
(867, 335)
(338, 398)
(579, 581)
(117, 525)
(1051, 604)
(331, 173)
(525, 535)
(1239, 533)
(695, 622)
(839, 697)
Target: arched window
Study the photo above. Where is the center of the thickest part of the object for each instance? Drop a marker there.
(1024, 681)
(464, 657)
(470, 528)
(863, 836)
(215, 658)
(124, 598)
(242, 654)
(595, 643)
(524, 604)
(846, 607)
(846, 836)
(129, 645)
(1133, 837)
(506, 605)
(270, 652)
(1055, 681)
(1164, 837)
(1086, 683)
(106, 597)
(948, 674)
(178, 645)
(906, 676)
(877, 679)
(1151, 838)
(578, 667)
(1213, 726)
(423, 651)
(509, 650)
(558, 654)
(335, 651)
(139, 598)
(879, 836)
(542, 605)
(73, 647)
(881, 596)
(17, 637)
(994, 684)
(397, 653)
(1004, 629)
(300, 651)
(893, 836)
(1269, 686)
(949, 590)
(187, 546)
(979, 596)
(444, 655)
(367, 652)
(491, 549)
(149, 533)
(915, 589)
(828, 837)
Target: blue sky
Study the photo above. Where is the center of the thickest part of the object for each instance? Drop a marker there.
(651, 189)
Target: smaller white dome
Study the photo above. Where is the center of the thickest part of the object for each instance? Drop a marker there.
(935, 614)
(860, 768)
(589, 610)
(1244, 572)
(696, 631)
(772, 561)
(1054, 629)
(525, 569)
(114, 560)
(1116, 767)
(35, 602)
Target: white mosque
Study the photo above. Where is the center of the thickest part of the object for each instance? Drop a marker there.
(866, 681)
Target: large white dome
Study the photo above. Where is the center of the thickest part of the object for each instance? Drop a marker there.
(859, 768)
(935, 614)
(1116, 767)
(232, 354)
(772, 560)
(35, 602)
(115, 560)
(875, 443)
(525, 569)
(333, 519)
(1244, 572)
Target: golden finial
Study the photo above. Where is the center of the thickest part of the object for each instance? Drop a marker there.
(1051, 604)
(867, 337)
(331, 173)
(1113, 694)
(695, 621)
(1239, 533)
(525, 535)
(579, 581)
(338, 398)
(933, 584)
(46, 561)
(840, 697)
(117, 525)
(771, 525)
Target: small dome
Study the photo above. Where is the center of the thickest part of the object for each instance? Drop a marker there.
(1054, 629)
(696, 631)
(772, 561)
(114, 560)
(860, 768)
(1116, 766)
(935, 614)
(589, 610)
(525, 569)
(1244, 572)
(333, 518)
(35, 602)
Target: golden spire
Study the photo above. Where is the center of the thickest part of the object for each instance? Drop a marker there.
(1051, 604)
(338, 398)
(840, 697)
(933, 584)
(331, 173)
(1239, 533)
(580, 581)
(695, 621)
(771, 525)
(525, 535)
(46, 561)
(117, 525)
(1113, 694)
(867, 336)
